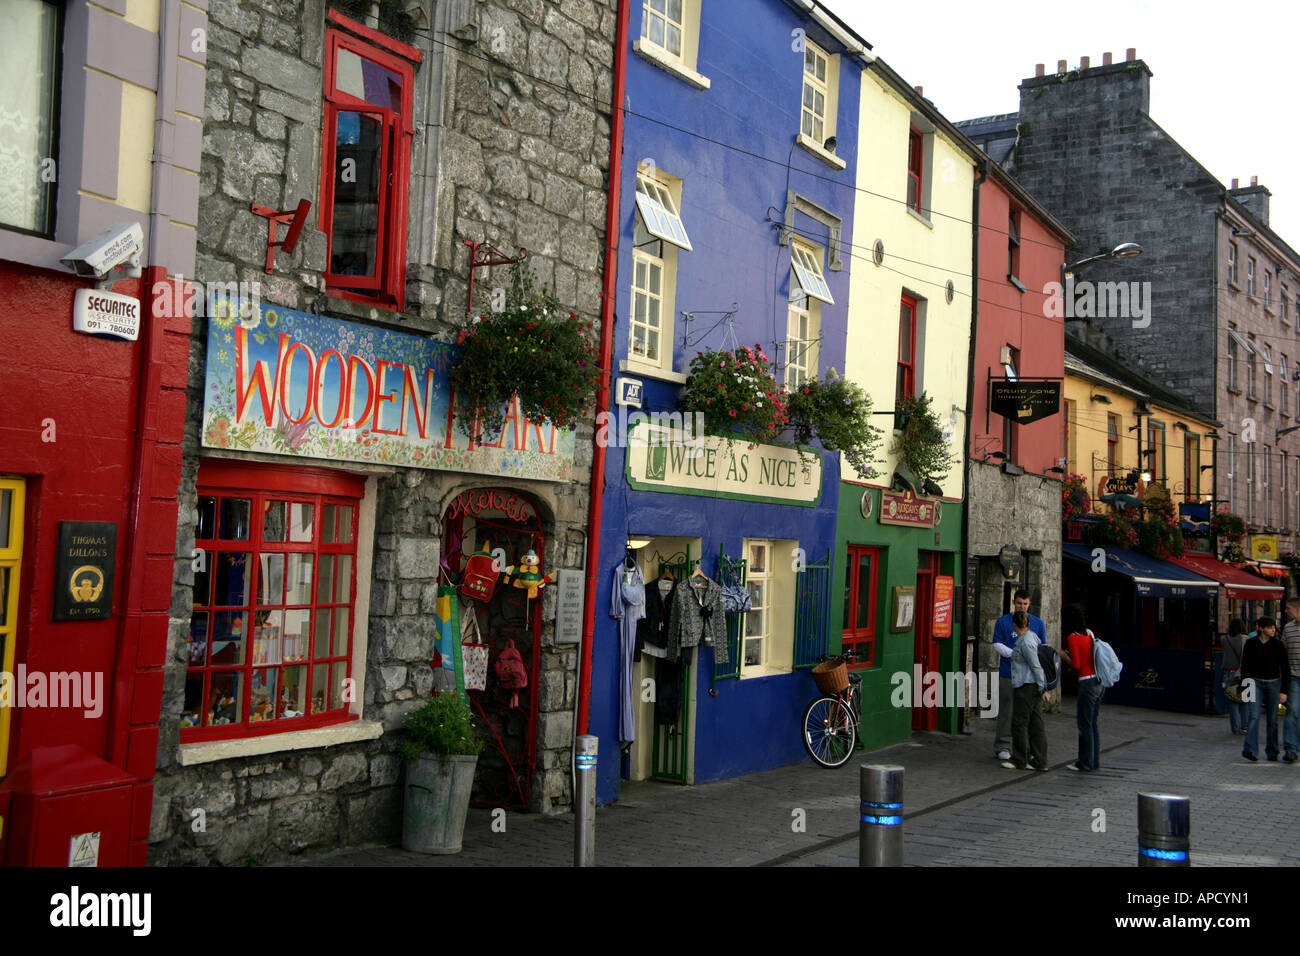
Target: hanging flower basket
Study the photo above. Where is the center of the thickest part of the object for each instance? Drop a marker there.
(1224, 524)
(1115, 529)
(1075, 500)
(838, 413)
(922, 445)
(534, 349)
(735, 392)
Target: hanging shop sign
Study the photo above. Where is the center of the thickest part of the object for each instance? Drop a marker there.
(83, 575)
(664, 458)
(514, 506)
(288, 383)
(1263, 547)
(1012, 561)
(1024, 401)
(107, 314)
(905, 508)
(943, 594)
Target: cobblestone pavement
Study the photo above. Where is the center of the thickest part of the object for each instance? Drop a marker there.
(962, 807)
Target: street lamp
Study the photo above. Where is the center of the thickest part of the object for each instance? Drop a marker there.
(1125, 250)
(1286, 431)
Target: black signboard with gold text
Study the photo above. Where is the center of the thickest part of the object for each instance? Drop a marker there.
(83, 570)
(1024, 401)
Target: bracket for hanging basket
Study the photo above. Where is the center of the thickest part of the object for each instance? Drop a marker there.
(296, 218)
(483, 254)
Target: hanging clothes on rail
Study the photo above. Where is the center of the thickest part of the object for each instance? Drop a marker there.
(627, 606)
(652, 630)
(696, 617)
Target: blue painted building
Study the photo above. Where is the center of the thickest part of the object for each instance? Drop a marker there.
(735, 216)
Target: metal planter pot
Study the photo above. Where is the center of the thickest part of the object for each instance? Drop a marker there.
(436, 802)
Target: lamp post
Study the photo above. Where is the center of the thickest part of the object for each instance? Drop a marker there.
(1125, 250)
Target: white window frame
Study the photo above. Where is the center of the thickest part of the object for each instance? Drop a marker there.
(660, 213)
(776, 610)
(803, 339)
(650, 263)
(681, 63)
(658, 223)
(806, 263)
(812, 86)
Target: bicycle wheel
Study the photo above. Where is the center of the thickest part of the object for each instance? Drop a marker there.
(828, 732)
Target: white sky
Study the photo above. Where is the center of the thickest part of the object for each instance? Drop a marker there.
(1223, 79)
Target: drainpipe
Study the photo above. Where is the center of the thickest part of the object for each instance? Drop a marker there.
(970, 639)
(150, 382)
(607, 359)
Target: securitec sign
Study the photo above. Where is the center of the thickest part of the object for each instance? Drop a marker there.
(107, 314)
(1024, 401)
(907, 509)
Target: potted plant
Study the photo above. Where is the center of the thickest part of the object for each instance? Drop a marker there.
(735, 391)
(441, 753)
(838, 412)
(534, 349)
(921, 444)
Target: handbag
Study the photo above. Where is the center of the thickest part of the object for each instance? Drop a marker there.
(1233, 689)
(735, 599)
(474, 654)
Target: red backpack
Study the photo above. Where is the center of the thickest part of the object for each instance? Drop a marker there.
(479, 582)
(509, 671)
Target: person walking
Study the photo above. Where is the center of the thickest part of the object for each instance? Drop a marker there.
(1029, 693)
(1078, 653)
(1238, 711)
(1004, 640)
(1264, 661)
(1291, 639)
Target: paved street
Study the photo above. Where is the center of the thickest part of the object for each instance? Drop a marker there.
(962, 808)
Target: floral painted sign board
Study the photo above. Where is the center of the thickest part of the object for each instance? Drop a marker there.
(289, 383)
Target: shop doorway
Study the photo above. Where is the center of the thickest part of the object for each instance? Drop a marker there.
(502, 519)
(664, 748)
(925, 647)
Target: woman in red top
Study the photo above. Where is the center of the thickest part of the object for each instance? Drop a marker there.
(1077, 652)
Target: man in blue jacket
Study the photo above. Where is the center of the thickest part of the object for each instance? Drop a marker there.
(1004, 641)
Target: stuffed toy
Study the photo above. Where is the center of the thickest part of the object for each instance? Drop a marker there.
(528, 576)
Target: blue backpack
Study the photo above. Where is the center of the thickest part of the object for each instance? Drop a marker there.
(1050, 662)
(1105, 662)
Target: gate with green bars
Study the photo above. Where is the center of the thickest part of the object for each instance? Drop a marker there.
(671, 752)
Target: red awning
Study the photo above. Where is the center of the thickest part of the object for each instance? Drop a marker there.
(1240, 585)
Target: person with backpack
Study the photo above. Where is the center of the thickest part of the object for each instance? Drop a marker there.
(1078, 653)
(1029, 693)
(1233, 641)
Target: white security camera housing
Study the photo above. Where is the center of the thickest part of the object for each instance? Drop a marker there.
(120, 245)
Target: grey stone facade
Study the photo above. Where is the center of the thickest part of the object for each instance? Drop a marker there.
(511, 109)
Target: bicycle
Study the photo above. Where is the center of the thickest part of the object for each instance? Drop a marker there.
(830, 724)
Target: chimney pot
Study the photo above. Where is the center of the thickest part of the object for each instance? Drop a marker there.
(1106, 58)
(1060, 66)
(1234, 183)
(1084, 61)
(1131, 54)
(1254, 180)
(919, 90)
(1040, 69)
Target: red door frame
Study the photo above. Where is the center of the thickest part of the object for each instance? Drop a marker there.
(925, 648)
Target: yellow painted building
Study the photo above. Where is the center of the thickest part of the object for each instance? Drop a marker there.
(910, 286)
(1116, 425)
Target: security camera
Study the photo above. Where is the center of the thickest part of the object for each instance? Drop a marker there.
(117, 246)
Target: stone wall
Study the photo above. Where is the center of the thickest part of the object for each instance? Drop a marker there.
(511, 112)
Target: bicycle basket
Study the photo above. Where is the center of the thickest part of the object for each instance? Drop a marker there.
(832, 677)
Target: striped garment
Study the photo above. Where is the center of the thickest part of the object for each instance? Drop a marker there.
(1291, 638)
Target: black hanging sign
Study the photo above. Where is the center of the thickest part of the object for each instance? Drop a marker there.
(1024, 401)
(83, 575)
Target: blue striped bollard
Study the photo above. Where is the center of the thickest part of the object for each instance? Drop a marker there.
(584, 801)
(1164, 830)
(880, 834)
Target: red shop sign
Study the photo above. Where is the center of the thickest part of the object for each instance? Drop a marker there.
(943, 589)
(513, 506)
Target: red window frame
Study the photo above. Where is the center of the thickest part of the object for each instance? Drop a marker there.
(387, 286)
(905, 385)
(915, 160)
(860, 636)
(261, 485)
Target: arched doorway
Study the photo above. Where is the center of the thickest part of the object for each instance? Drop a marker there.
(500, 518)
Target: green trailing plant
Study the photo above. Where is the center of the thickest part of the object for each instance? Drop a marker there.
(534, 349)
(735, 391)
(921, 444)
(838, 413)
(442, 726)
(1159, 539)
(1234, 554)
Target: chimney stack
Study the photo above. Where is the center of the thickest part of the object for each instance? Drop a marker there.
(1131, 54)
(1234, 183)
(1060, 66)
(1040, 69)
(1084, 61)
(919, 90)
(1254, 180)
(1254, 197)
(1106, 58)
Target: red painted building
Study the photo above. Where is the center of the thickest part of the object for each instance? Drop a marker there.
(90, 423)
(1016, 406)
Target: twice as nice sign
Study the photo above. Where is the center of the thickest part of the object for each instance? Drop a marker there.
(289, 383)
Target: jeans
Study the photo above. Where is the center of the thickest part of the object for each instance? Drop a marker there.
(1291, 725)
(1002, 736)
(1266, 693)
(1028, 734)
(1087, 712)
(1238, 714)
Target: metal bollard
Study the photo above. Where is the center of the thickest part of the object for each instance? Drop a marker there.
(880, 833)
(1164, 830)
(584, 802)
